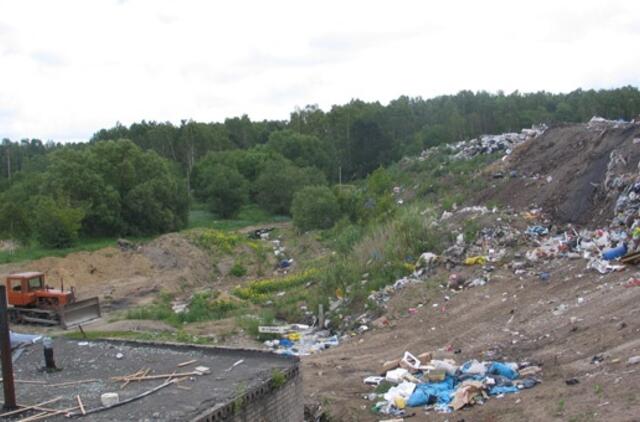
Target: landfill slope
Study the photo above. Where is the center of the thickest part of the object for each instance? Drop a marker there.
(531, 288)
(575, 323)
(564, 171)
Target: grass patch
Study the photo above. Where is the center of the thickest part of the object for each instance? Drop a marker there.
(259, 291)
(238, 270)
(37, 251)
(203, 307)
(249, 215)
(250, 324)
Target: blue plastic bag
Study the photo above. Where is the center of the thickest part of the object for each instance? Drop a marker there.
(502, 389)
(285, 342)
(438, 392)
(499, 368)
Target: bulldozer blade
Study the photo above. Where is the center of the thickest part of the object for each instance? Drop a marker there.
(80, 312)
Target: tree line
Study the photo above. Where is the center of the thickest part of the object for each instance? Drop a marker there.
(140, 179)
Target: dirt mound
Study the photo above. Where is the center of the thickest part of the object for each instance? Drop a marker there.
(119, 277)
(569, 171)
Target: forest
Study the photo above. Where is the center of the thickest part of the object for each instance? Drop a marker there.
(143, 179)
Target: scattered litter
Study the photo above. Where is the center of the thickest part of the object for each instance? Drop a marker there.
(448, 386)
(475, 260)
(301, 340)
(205, 370)
(109, 399)
(373, 380)
(633, 360)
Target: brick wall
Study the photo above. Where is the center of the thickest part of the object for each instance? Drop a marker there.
(265, 403)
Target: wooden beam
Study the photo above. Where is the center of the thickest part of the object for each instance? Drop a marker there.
(81, 405)
(155, 377)
(24, 409)
(64, 384)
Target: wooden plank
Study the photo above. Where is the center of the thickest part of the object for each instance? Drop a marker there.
(189, 362)
(46, 415)
(632, 258)
(81, 405)
(155, 377)
(28, 382)
(38, 416)
(64, 384)
(15, 412)
(129, 400)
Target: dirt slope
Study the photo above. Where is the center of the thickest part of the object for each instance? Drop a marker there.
(509, 318)
(123, 278)
(576, 158)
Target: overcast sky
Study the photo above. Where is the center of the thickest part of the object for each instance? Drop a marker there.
(69, 68)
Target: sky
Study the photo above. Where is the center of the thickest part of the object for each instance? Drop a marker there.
(71, 67)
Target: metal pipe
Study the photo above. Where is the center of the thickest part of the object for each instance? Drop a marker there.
(49, 362)
(5, 350)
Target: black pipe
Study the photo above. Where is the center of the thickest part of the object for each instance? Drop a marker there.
(5, 350)
(49, 362)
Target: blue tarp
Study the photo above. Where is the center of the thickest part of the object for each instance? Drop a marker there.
(440, 393)
(499, 368)
(433, 392)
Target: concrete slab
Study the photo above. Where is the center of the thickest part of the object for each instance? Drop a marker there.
(102, 360)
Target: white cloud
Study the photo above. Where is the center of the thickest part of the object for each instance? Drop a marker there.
(70, 67)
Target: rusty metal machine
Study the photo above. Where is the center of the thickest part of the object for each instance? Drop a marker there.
(31, 300)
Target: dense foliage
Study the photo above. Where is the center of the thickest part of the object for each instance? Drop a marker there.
(142, 185)
(315, 207)
(110, 188)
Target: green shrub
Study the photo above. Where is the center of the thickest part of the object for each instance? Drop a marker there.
(238, 270)
(216, 239)
(315, 207)
(258, 291)
(278, 379)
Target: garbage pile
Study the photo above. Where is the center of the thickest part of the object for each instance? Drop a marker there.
(597, 121)
(488, 144)
(298, 339)
(444, 386)
(600, 247)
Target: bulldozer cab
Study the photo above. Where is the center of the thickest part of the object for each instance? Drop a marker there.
(21, 287)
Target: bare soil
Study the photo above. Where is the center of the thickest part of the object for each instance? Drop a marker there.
(575, 157)
(510, 318)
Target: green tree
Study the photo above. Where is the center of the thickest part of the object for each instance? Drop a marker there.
(315, 207)
(379, 182)
(224, 189)
(279, 181)
(14, 222)
(302, 150)
(57, 223)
